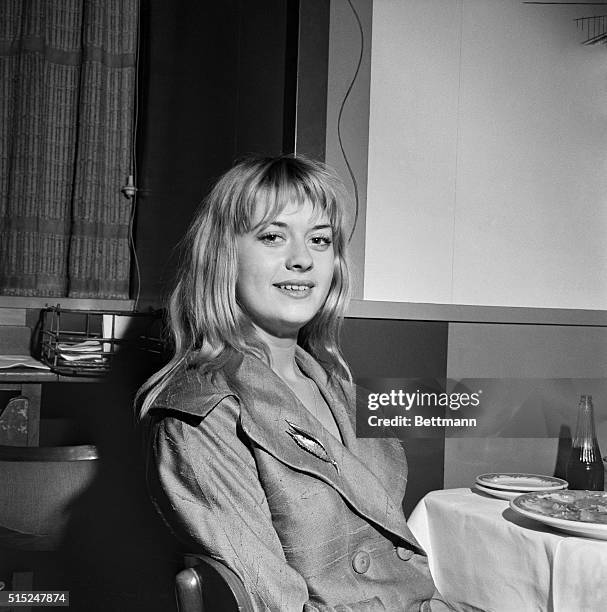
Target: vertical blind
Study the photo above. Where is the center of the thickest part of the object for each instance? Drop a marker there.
(68, 78)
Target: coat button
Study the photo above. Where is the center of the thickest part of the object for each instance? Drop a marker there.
(361, 562)
(404, 553)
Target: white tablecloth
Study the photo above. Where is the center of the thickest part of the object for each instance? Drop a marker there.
(485, 556)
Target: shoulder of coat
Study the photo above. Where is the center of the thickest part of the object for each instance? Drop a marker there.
(192, 391)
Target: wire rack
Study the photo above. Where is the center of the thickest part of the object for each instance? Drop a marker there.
(87, 342)
(595, 28)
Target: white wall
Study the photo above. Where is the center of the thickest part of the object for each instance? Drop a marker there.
(487, 174)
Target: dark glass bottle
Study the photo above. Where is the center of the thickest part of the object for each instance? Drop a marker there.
(585, 467)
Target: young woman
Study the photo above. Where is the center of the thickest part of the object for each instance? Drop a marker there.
(253, 456)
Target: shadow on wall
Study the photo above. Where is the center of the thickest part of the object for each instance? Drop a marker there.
(118, 553)
(562, 453)
(112, 552)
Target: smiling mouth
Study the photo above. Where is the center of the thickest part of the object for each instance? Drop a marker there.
(296, 290)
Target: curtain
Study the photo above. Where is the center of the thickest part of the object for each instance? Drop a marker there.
(68, 76)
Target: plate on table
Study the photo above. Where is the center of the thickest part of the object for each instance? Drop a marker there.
(581, 513)
(507, 495)
(521, 482)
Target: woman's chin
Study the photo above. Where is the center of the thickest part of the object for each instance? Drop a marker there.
(286, 326)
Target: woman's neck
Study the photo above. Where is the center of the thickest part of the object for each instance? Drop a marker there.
(282, 355)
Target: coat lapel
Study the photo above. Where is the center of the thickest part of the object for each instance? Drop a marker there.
(277, 421)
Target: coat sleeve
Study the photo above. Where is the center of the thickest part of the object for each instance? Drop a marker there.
(204, 482)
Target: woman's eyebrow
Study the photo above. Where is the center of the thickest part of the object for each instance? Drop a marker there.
(284, 225)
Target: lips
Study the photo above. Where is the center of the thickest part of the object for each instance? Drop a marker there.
(295, 289)
(292, 285)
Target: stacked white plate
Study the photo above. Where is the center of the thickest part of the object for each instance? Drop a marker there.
(510, 485)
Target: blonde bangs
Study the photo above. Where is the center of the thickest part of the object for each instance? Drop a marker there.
(279, 186)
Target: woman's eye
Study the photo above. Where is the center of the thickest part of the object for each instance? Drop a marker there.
(321, 241)
(270, 238)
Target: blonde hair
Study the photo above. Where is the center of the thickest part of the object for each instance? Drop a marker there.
(205, 320)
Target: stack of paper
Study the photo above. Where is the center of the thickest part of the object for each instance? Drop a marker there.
(21, 361)
(88, 351)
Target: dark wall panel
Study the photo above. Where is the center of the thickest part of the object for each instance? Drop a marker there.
(212, 90)
(189, 57)
(377, 348)
(262, 68)
(312, 75)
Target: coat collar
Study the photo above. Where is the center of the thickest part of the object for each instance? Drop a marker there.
(274, 419)
(191, 393)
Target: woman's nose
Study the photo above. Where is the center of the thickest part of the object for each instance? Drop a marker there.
(299, 257)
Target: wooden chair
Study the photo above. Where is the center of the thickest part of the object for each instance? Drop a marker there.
(206, 585)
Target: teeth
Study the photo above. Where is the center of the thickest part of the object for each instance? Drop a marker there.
(294, 287)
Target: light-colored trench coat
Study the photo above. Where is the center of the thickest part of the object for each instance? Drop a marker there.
(240, 470)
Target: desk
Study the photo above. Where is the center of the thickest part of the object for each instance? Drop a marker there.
(485, 556)
(20, 420)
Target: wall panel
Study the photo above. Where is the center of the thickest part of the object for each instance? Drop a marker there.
(523, 352)
(377, 348)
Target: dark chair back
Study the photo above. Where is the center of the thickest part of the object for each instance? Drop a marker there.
(39, 486)
(206, 585)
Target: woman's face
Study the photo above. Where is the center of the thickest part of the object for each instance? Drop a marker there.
(285, 269)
